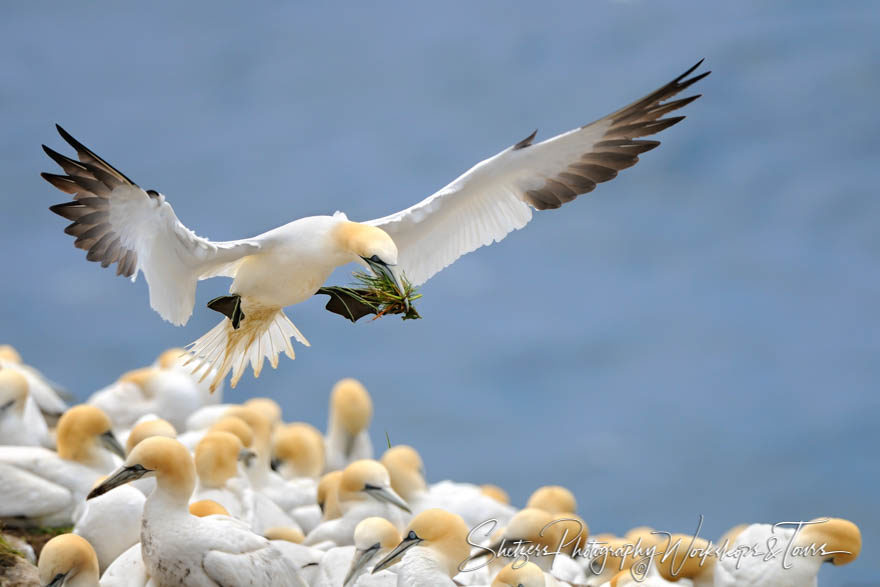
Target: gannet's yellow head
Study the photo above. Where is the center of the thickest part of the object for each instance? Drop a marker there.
(269, 408)
(519, 574)
(373, 537)
(495, 493)
(146, 429)
(173, 357)
(681, 562)
(367, 479)
(351, 406)
(9, 354)
(216, 458)
(406, 470)
(546, 531)
(553, 499)
(13, 391)
(259, 425)
(443, 532)
(68, 559)
(365, 241)
(370, 245)
(285, 533)
(143, 378)
(84, 430)
(234, 425)
(160, 457)
(328, 495)
(299, 450)
(207, 507)
(838, 535)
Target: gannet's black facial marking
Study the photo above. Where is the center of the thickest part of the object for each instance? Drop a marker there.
(153, 194)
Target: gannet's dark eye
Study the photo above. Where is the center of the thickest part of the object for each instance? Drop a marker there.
(412, 536)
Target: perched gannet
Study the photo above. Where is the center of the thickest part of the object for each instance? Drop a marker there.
(169, 394)
(298, 450)
(553, 498)
(342, 566)
(118, 222)
(797, 553)
(433, 548)
(348, 437)
(111, 523)
(179, 548)
(523, 574)
(68, 560)
(46, 394)
(219, 479)
(469, 501)
(21, 423)
(39, 487)
(364, 490)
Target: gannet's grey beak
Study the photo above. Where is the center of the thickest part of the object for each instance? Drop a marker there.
(391, 272)
(246, 455)
(407, 543)
(108, 440)
(361, 559)
(387, 495)
(57, 580)
(122, 476)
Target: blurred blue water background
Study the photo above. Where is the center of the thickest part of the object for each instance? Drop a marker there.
(699, 336)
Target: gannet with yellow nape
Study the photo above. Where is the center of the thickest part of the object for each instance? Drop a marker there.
(116, 221)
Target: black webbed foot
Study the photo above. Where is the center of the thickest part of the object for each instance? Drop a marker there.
(229, 306)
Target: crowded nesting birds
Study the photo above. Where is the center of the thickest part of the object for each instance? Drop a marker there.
(118, 222)
(351, 410)
(433, 548)
(68, 560)
(299, 451)
(179, 548)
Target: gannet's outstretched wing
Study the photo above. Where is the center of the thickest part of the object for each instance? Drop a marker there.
(118, 222)
(497, 195)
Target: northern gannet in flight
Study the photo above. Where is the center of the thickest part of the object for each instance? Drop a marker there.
(117, 221)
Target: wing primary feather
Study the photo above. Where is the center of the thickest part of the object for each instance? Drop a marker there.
(88, 156)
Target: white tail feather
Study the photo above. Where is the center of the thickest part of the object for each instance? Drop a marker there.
(263, 334)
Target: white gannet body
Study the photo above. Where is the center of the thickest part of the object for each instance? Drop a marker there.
(364, 491)
(169, 394)
(21, 422)
(118, 222)
(68, 560)
(348, 438)
(111, 523)
(44, 392)
(434, 546)
(406, 470)
(805, 549)
(39, 487)
(180, 548)
(128, 570)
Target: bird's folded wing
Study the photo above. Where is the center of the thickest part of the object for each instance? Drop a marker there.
(497, 195)
(23, 493)
(118, 222)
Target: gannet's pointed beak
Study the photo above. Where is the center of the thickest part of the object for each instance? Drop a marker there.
(411, 540)
(57, 580)
(122, 476)
(361, 559)
(392, 272)
(387, 495)
(110, 443)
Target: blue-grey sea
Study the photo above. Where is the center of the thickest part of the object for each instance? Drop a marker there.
(700, 336)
